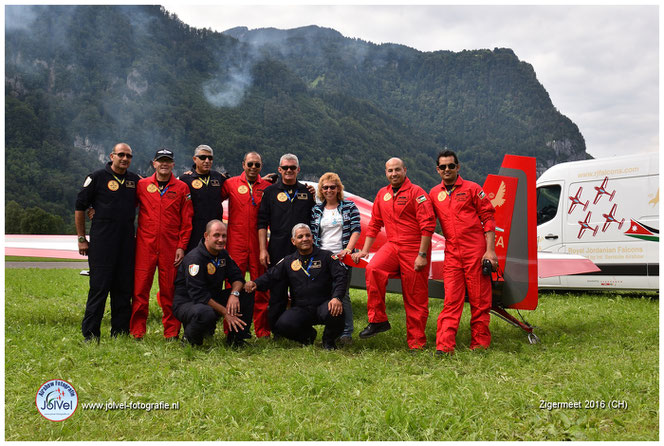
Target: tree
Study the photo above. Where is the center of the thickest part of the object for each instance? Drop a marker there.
(37, 221)
(13, 216)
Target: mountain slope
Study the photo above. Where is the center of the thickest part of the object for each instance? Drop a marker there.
(78, 79)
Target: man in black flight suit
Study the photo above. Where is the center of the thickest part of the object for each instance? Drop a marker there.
(112, 193)
(284, 204)
(205, 186)
(199, 300)
(317, 284)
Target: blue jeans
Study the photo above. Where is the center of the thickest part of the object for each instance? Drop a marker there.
(348, 309)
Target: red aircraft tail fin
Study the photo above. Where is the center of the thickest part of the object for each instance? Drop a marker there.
(516, 232)
(501, 191)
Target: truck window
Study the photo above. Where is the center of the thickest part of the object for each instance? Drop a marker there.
(547, 202)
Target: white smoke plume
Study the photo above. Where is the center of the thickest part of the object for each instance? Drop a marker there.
(229, 90)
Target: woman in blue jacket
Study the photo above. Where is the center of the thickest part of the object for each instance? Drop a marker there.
(335, 226)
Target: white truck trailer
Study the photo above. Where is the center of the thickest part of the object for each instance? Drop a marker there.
(608, 211)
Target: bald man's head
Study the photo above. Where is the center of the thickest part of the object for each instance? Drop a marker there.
(215, 236)
(395, 171)
(121, 158)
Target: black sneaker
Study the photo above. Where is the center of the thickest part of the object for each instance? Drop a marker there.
(92, 339)
(312, 337)
(236, 342)
(239, 344)
(374, 328)
(329, 345)
(443, 354)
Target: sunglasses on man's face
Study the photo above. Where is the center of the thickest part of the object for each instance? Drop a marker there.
(251, 164)
(205, 157)
(450, 166)
(124, 155)
(288, 167)
(333, 187)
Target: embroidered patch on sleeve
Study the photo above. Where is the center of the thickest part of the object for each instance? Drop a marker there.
(421, 198)
(481, 194)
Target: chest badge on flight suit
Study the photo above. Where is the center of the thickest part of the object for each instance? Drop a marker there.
(211, 268)
(193, 269)
(152, 188)
(296, 265)
(387, 196)
(215, 183)
(316, 263)
(242, 189)
(113, 185)
(442, 195)
(282, 196)
(131, 184)
(197, 184)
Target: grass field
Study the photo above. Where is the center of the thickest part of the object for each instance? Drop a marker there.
(593, 348)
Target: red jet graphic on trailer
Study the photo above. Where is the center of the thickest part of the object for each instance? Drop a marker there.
(611, 218)
(602, 191)
(576, 199)
(585, 225)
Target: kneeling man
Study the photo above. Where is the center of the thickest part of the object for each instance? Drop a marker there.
(199, 299)
(317, 284)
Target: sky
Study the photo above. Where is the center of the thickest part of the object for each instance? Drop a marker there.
(599, 64)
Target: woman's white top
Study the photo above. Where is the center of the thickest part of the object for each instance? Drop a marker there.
(331, 225)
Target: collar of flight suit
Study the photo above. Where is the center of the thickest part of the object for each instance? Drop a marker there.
(108, 169)
(259, 180)
(280, 184)
(313, 254)
(208, 255)
(198, 175)
(153, 179)
(457, 183)
(406, 185)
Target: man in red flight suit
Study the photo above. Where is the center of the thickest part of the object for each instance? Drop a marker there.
(244, 193)
(467, 219)
(164, 226)
(406, 212)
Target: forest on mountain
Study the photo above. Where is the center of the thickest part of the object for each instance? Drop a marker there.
(78, 79)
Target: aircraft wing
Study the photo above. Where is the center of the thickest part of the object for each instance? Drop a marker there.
(550, 264)
(50, 246)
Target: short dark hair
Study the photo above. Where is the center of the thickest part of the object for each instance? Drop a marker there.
(252, 153)
(444, 154)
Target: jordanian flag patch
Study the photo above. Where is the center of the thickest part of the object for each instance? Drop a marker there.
(421, 198)
(643, 232)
